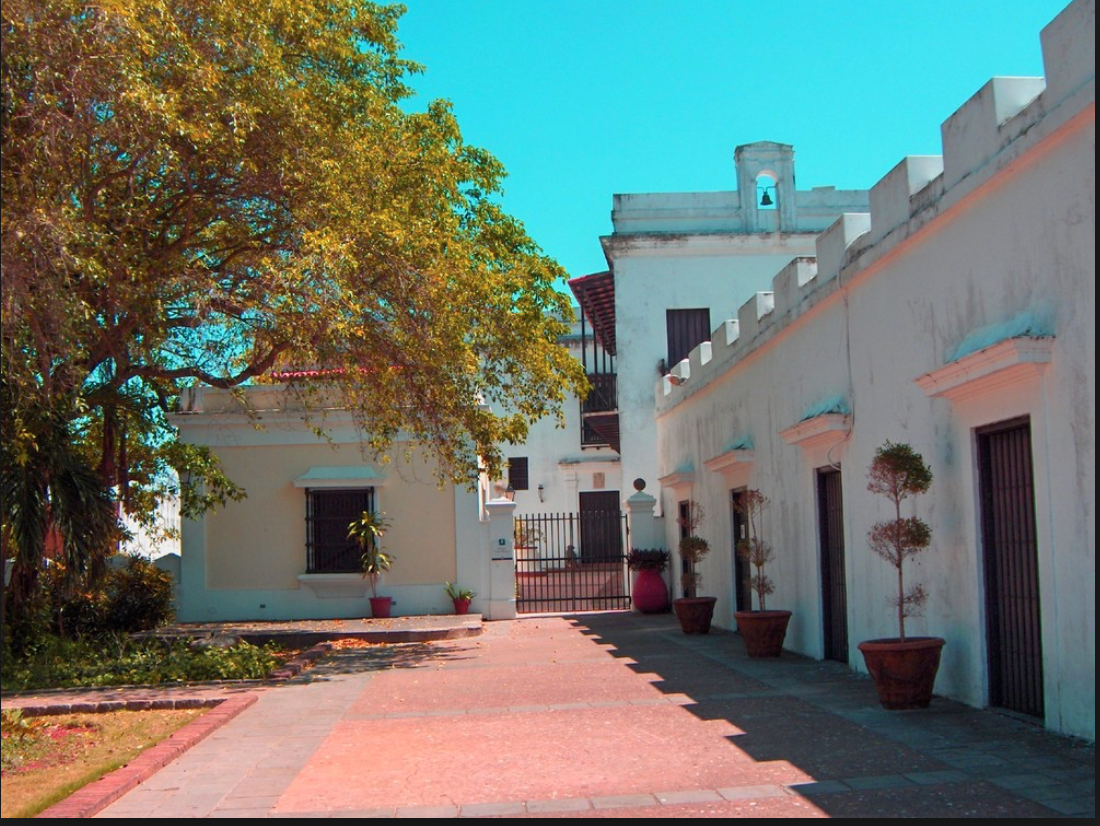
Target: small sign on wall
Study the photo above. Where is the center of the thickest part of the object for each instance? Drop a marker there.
(597, 481)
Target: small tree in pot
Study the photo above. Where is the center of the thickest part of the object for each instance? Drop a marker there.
(904, 668)
(694, 612)
(367, 531)
(762, 630)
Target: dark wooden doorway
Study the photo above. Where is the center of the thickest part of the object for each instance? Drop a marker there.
(1011, 562)
(601, 534)
(742, 570)
(834, 589)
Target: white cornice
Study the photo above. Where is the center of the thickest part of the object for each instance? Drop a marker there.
(678, 479)
(729, 460)
(1005, 363)
(340, 476)
(826, 429)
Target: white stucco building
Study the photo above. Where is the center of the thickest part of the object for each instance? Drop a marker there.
(678, 263)
(956, 314)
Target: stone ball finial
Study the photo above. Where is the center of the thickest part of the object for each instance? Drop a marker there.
(639, 484)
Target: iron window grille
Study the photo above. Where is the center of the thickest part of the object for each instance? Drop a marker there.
(518, 477)
(329, 511)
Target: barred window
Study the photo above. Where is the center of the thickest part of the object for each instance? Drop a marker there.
(517, 473)
(329, 512)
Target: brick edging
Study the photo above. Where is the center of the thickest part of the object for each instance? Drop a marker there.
(99, 794)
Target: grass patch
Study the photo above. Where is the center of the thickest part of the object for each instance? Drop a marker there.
(45, 759)
(112, 660)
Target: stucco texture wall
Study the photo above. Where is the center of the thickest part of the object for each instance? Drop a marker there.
(260, 543)
(1022, 242)
(678, 277)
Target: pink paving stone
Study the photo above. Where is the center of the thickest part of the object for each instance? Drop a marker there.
(768, 807)
(535, 685)
(508, 756)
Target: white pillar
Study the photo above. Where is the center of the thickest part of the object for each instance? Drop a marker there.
(502, 560)
(644, 531)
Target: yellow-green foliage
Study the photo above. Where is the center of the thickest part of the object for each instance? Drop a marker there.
(202, 190)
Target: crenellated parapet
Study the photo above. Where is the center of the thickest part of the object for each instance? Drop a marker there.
(987, 134)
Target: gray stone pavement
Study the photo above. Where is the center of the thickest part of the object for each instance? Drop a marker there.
(608, 715)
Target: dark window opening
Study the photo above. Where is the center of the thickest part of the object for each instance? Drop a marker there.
(687, 329)
(328, 514)
(517, 473)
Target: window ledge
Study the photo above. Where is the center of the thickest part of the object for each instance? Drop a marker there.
(826, 429)
(729, 460)
(341, 476)
(336, 586)
(683, 478)
(1006, 363)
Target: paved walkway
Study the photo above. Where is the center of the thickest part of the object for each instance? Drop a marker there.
(608, 715)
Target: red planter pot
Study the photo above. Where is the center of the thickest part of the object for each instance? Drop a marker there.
(650, 594)
(904, 672)
(763, 631)
(380, 607)
(462, 606)
(694, 613)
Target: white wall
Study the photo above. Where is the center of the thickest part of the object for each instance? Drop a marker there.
(694, 250)
(1007, 230)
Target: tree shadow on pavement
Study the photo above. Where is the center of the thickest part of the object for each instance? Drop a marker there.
(380, 657)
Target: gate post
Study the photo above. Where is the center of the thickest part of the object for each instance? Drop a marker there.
(502, 560)
(644, 529)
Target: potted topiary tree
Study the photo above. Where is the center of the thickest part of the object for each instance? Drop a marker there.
(903, 668)
(762, 630)
(649, 592)
(366, 531)
(694, 612)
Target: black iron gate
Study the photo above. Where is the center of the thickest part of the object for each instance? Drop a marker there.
(571, 562)
(1010, 552)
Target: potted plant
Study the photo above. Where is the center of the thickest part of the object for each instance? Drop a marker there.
(903, 668)
(366, 531)
(693, 611)
(461, 597)
(762, 630)
(649, 592)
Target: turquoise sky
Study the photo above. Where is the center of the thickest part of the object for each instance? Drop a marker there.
(582, 100)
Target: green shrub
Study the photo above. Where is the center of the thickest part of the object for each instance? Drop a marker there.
(115, 659)
(139, 597)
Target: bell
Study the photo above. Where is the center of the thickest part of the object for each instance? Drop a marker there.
(766, 200)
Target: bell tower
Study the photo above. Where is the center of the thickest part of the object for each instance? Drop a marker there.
(765, 181)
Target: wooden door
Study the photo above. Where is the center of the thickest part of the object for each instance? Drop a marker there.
(742, 570)
(834, 589)
(1011, 565)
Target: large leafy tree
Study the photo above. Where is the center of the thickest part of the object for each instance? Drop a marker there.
(203, 190)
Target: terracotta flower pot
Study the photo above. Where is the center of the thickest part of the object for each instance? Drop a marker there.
(380, 607)
(650, 594)
(763, 631)
(904, 672)
(462, 605)
(694, 613)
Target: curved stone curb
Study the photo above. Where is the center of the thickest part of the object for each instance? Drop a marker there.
(292, 668)
(99, 794)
